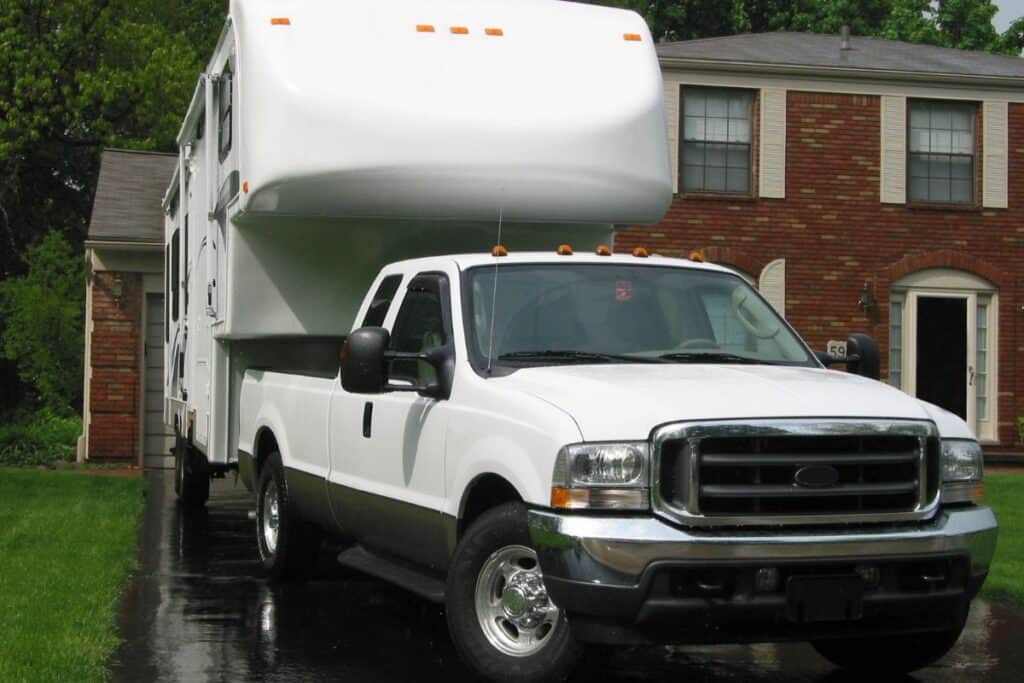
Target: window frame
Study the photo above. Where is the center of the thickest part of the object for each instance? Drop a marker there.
(438, 282)
(976, 146)
(225, 111)
(754, 113)
(175, 273)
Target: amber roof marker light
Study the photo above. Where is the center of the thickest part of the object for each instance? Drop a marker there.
(494, 32)
(499, 250)
(564, 250)
(460, 30)
(641, 252)
(280, 21)
(603, 250)
(424, 28)
(697, 256)
(632, 37)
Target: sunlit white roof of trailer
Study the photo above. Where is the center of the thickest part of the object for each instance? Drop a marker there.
(414, 109)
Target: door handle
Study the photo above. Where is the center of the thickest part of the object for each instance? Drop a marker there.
(970, 375)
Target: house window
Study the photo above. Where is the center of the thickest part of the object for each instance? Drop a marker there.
(942, 152)
(981, 377)
(716, 140)
(224, 112)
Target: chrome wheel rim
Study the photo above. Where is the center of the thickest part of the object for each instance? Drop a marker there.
(270, 519)
(512, 606)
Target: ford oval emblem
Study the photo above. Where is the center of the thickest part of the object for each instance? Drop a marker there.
(816, 476)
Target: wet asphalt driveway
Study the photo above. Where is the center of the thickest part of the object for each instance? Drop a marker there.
(200, 610)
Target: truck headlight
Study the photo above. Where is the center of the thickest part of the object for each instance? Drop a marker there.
(962, 471)
(608, 476)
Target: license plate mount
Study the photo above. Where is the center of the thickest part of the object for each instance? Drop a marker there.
(815, 599)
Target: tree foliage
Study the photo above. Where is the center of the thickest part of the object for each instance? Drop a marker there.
(43, 309)
(965, 24)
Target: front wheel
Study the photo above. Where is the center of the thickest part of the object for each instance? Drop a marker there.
(889, 655)
(500, 617)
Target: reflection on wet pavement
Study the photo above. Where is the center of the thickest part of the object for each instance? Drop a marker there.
(200, 610)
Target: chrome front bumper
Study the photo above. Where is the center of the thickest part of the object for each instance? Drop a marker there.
(617, 551)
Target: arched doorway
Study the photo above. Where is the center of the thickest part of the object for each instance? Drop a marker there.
(943, 343)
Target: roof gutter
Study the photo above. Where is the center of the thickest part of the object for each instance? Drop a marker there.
(118, 245)
(1009, 82)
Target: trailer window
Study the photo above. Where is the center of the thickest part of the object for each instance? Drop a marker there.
(381, 303)
(224, 100)
(175, 283)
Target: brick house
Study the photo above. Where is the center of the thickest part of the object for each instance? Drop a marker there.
(865, 185)
(123, 383)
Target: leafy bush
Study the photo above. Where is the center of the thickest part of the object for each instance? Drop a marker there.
(43, 314)
(40, 439)
(1020, 429)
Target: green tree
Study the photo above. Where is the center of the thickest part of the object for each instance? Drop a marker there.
(43, 309)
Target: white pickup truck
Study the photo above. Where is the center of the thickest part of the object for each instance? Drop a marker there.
(570, 448)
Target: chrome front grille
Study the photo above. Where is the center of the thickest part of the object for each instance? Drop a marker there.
(763, 472)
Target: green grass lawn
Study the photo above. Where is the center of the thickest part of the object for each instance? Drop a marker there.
(67, 547)
(1005, 494)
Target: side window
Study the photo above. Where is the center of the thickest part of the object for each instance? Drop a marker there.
(175, 283)
(418, 328)
(224, 106)
(381, 303)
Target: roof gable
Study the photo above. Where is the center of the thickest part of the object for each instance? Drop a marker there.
(127, 205)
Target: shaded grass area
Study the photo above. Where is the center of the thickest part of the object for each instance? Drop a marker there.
(67, 547)
(1004, 493)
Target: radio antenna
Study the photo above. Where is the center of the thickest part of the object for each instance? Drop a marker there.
(494, 291)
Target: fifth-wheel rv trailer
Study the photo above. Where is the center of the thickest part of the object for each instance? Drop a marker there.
(394, 309)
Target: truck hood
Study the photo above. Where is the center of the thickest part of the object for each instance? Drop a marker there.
(620, 402)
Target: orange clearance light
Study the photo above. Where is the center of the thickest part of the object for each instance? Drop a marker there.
(564, 250)
(604, 250)
(494, 32)
(697, 256)
(460, 30)
(245, 187)
(640, 252)
(425, 28)
(632, 37)
(280, 21)
(499, 250)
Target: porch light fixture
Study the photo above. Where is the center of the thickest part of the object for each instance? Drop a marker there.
(867, 303)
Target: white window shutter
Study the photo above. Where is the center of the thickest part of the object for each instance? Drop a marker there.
(996, 146)
(894, 150)
(772, 175)
(772, 285)
(672, 122)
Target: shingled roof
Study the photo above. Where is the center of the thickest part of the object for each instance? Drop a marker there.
(127, 205)
(815, 50)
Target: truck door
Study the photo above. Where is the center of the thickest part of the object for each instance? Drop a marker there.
(388, 478)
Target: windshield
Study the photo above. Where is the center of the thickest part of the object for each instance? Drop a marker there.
(587, 313)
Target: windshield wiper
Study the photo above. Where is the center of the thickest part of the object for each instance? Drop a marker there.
(576, 356)
(712, 357)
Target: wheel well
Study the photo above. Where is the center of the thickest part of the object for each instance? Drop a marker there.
(485, 492)
(266, 443)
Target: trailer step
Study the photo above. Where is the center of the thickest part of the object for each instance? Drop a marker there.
(412, 579)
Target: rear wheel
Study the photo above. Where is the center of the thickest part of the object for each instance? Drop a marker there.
(191, 475)
(889, 655)
(499, 614)
(288, 545)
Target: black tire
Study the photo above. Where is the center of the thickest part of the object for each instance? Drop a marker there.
(293, 552)
(494, 532)
(191, 475)
(889, 655)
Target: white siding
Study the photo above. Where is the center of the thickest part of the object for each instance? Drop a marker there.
(772, 285)
(672, 122)
(894, 150)
(996, 148)
(772, 176)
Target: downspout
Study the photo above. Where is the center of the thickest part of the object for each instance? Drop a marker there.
(82, 446)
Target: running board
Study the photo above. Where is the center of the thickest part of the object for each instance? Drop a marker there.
(414, 580)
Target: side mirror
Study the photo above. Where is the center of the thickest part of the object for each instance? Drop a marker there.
(862, 357)
(362, 361)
